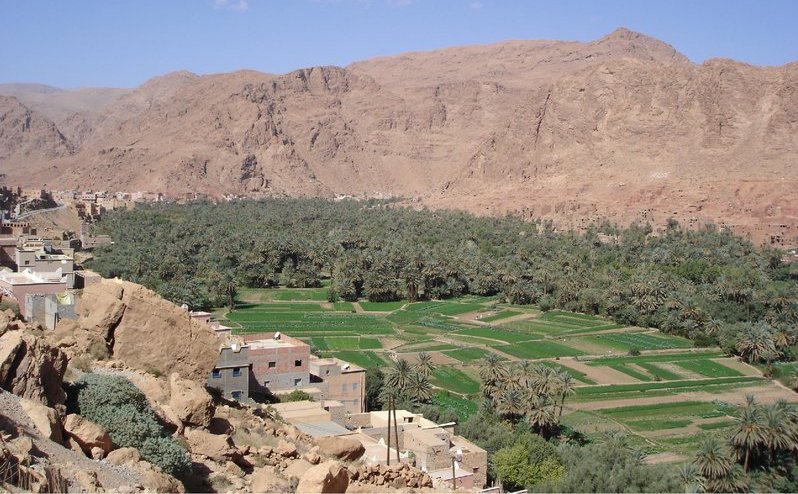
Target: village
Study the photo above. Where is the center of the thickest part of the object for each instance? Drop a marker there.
(40, 274)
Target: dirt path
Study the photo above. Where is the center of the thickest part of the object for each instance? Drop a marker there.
(358, 308)
(664, 458)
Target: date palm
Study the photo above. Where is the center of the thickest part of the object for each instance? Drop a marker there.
(749, 433)
(425, 367)
(492, 369)
(510, 403)
(399, 374)
(418, 388)
(565, 388)
(756, 344)
(712, 460)
(540, 414)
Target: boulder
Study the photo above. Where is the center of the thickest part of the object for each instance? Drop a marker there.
(217, 448)
(123, 456)
(297, 468)
(190, 401)
(286, 449)
(330, 476)
(45, 419)
(100, 309)
(154, 479)
(266, 479)
(87, 434)
(341, 448)
(87, 481)
(32, 368)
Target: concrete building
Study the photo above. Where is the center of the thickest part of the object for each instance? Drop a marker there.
(48, 309)
(432, 445)
(340, 381)
(279, 362)
(233, 371)
(19, 285)
(38, 257)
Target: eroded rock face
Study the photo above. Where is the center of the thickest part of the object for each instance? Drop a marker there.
(190, 401)
(217, 448)
(143, 330)
(330, 476)
(32, 368)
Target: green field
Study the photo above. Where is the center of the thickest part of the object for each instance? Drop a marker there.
(626, 391)
(496, 334)
(641, 341)
(539, 349)
(382, 306)
(504, 314)
(657, 371)
(444, 308)
(468, 355)
(454, 380)
(464, 408)
(708, 368)
(662, 357)
(365, 359)
(579, 376)
(629, 371)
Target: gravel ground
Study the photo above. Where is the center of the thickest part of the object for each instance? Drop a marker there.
(110, 476)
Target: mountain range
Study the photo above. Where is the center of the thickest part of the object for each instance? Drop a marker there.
(622, 128)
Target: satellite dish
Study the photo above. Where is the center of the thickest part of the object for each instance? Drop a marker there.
(277, 335)
(184, 306)
(234, 347)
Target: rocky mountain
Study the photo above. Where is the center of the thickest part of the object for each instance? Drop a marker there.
(623, 128)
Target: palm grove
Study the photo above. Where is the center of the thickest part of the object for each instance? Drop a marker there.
(707, 285)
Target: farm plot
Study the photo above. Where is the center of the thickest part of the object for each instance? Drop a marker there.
(653, 358)
(444, 308)
(496, 334)
(454, 380)
(641, 341)
(311, 323)
(708, 368)
(382, 306)
(578, 375)
(629, 391)
(662, 416)
(468, 355)
(345, 343)
(538, 349)
(503, 314)
(463, 407)
(365, 359)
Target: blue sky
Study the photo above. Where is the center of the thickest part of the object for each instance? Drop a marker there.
(123, 43)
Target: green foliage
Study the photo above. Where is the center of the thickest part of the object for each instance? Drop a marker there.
(613, 466)
(167, 454)
(118, 406)
(529, 462)
(295, 395)
(374, 382)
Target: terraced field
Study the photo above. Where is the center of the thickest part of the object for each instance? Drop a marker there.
(671, 385)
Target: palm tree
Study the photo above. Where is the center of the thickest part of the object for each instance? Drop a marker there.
(492, 369)
(691, 478)
(566, 387)
(756, 344)
(749, 433)
(712, 459)
(419, 388)
(778, 433)
(510, 404)
(425, 367)
(399, 374)
(540, 414)
(526, 372)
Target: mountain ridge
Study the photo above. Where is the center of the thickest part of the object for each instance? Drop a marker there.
(563, 130)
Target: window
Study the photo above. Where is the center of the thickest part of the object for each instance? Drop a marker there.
(236, 395)
(343, 388)
(216, 374)
(354, 386)
(297, 381)
(272, 365)
(237, 372)
(297, 363)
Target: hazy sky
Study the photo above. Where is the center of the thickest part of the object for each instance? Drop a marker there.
(123, 43)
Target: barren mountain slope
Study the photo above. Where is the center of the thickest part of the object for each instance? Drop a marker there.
(27, 136)
(623, 127)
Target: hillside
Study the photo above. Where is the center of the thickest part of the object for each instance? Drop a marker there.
(623, 127)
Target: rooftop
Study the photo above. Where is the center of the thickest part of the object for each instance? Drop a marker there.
(259, 341)
(28, 277)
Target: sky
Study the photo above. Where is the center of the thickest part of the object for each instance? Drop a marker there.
(116, 43)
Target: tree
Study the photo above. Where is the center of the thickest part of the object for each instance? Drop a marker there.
(713, 463)
(517, 467)
(748, 434)
(425, 366)
(756, 344)
(374, 384)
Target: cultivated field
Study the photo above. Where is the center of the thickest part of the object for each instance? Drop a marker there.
(666, 396)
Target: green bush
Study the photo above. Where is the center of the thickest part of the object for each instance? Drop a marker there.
(122, 409)
(167, 454)
(634, 352)
(296, 395)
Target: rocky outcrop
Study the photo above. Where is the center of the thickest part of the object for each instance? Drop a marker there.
(396, 476)
(32, 368)
(89, 436)
(217, 448)
(123, 456)
(341, 448)
(192, 404)
(46, 420)
(330, 476)
(141, 330)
